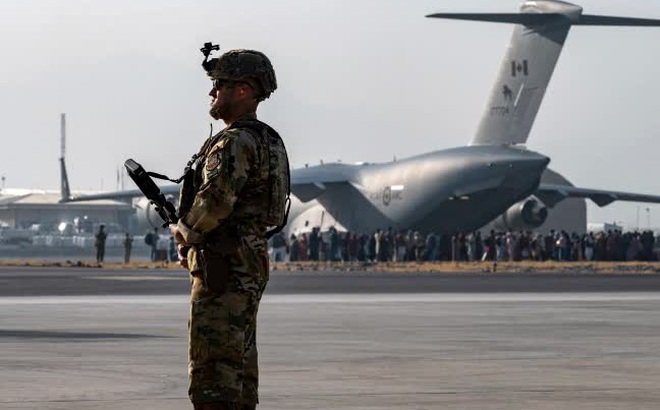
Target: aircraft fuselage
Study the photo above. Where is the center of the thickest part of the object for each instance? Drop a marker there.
(443, 191)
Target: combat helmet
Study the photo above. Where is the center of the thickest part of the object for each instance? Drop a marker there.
(250, 66)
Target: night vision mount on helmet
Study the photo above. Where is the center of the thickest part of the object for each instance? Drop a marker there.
(249, 66)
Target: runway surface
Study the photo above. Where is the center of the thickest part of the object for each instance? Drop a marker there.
(98, 339)
(28, 281)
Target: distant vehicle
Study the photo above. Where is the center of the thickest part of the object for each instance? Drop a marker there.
(459, 189)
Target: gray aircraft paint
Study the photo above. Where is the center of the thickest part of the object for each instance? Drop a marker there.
(412, 193)
(463, 188)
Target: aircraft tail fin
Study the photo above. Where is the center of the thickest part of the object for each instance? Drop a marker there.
(536, 43)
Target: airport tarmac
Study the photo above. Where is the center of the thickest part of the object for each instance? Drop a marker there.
(77, 339)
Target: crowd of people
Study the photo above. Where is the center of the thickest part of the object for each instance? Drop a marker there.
(402, 246)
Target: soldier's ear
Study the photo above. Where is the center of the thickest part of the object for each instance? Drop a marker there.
(246, 90)
(242, 88)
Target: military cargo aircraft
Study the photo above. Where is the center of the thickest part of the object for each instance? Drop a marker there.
(464, 188)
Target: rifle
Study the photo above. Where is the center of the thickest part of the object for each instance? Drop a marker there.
(143, 180)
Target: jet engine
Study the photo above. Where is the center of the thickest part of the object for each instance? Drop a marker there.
(525, 215)
(146, 216)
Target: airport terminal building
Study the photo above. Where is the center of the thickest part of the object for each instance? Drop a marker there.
(25, 210)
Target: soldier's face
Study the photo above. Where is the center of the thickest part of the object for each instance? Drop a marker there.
(221, 99)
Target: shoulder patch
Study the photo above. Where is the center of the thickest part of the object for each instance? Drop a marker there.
(213, 160)
(214, 157)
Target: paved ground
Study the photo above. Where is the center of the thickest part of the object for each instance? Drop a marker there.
(27, 281)
(71, 253)
(327, 347)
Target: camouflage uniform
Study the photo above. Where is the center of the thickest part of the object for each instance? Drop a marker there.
(228, 263)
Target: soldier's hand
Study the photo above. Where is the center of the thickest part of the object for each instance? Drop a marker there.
(178, 236)
(182, 248)
(182, 251)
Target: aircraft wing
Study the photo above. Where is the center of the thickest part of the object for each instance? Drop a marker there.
(552, 194)
(304, 189)
(306, 184)
(127, 194)
(309, 183)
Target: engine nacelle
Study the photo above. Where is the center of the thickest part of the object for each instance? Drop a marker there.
(146, 216)
(528, 214)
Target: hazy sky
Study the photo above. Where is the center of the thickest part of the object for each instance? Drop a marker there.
(360, 80)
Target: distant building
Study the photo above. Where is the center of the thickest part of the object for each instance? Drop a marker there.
(596, 227)
(24, 210)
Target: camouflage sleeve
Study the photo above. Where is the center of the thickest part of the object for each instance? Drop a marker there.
(226, 170)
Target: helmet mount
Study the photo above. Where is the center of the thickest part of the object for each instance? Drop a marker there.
(206, 50)
(248, 66)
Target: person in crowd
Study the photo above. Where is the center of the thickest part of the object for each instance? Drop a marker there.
(432, 247)
(128, 246)
(295, 248)
(372, 248)
(314, 244)
(334, 247)
(152, 239)
(352, 246)
(588, 242)
(278, 244)
(303, 247)
(378, 251)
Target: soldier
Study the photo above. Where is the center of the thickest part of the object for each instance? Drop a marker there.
(99, 242)
(239, 188)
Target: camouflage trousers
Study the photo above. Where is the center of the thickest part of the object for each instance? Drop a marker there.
(222, 356)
